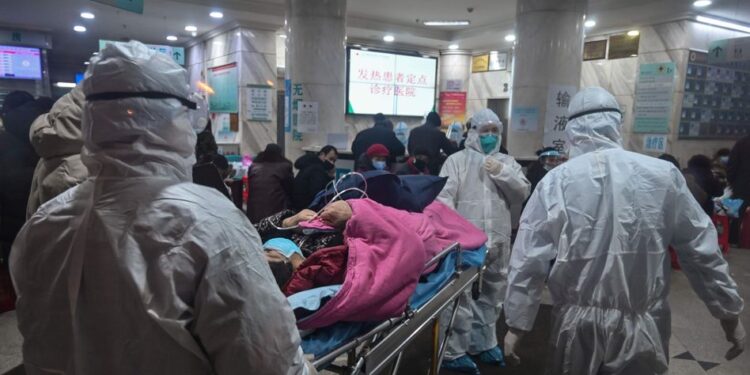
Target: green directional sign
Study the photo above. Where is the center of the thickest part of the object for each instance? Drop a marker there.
(176, 53)
(135, 6)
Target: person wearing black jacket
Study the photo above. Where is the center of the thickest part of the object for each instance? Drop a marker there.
(428, 137)
(382, 133)
(315, 172)
(699, 167)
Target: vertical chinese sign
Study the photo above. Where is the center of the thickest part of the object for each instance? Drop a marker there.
(452, 107)
(556, 118)
(297, 96)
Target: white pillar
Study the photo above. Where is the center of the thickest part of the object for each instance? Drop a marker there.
(455, 74)
(316, 66)
(548, 54)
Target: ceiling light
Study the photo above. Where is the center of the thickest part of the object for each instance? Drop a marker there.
(720, 23)
(79, 28)
(282, 36)
(447, 23)
(67, 85)
(634, 33)
(357, 45)
(510, 38)
(453, 46)
(88, 15)
(216, 14)
(86, 63)
(194, 34)
(389, 38)
(191, 28)
(171, 38)
(701, 3)
(589, 23)
(95, 53)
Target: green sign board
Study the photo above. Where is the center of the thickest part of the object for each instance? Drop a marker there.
(653, 98)
(176, 53)
(135, 6)
(223, 80)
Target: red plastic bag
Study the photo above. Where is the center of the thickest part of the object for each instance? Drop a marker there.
(722, 229)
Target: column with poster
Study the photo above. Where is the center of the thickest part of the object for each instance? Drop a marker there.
(556, 118)
(452, 107)
(653, 98)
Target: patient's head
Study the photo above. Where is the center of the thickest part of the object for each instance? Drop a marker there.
(284, 257)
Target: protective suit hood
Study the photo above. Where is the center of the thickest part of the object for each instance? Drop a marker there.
(130, 135)
(594, 121)
(483, 117)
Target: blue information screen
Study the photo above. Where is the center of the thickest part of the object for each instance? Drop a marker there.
(20, 62)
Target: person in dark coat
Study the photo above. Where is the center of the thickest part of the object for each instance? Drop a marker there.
(548, 158)
(315, 172)
(17, 163)
(376, 158)
(699, 167)
(270, 184)
(429, 137)
(382, 133)
(416, 164)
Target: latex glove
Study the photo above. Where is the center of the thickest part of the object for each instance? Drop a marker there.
(304, 215)
(735, 333)
(511, 341)
(493, 166)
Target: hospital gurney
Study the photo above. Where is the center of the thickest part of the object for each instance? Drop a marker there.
(381, 348)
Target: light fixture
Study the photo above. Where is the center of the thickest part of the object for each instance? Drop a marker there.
(67, 85)
(389, 38)
(282, 36)
(453, 46)
(95, 53)
(194, 34)
(510, 38)
(86, 63)
(357, 45)
(79, 28)
(720, 23)
(171, 38)
(634, 33)
(589, 23)
(216, 14)
(88, 15)
(191, 28)
(701, 3)
(447, 23)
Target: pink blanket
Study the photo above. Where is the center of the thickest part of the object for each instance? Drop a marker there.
(388, 249)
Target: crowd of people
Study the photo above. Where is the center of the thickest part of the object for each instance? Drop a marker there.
(123, 265)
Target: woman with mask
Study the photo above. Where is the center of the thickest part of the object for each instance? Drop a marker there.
(375, 159)
(482, 185)
(315, 172)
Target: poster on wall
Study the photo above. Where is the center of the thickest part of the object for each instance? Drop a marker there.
(498, 61)
(452, 107)
(556, 118)
(595, 50)
(480, 63)
(287, 106)
(223, 80)
(259, 105)
(524, 119)
(653, 98)
(307, 117)
(621, 46)
(716, 104)
(656, 143)
(222, 124)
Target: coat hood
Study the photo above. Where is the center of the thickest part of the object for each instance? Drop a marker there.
(58, 133)
(136, 121)
(594, 122)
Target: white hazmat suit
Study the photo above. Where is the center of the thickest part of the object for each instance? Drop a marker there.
(607, 217)
(137, 270)
(483, 198)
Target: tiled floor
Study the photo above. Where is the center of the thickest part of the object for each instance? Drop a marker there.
(697, 345)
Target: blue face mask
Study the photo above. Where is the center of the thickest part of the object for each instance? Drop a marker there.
(379, 165)
(488, 142)
(284, 246)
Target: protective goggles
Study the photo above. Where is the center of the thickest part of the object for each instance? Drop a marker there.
(592, 111)
(143, 94)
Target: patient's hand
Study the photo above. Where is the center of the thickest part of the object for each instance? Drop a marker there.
(304, 215)
(336, 214)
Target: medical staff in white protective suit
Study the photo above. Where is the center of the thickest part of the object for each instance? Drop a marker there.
(482, 184)
(607, 217)
(137, 270)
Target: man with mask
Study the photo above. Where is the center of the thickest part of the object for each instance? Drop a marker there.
(482, 184)
(315, 172)
(132, 271)
(607, 217)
